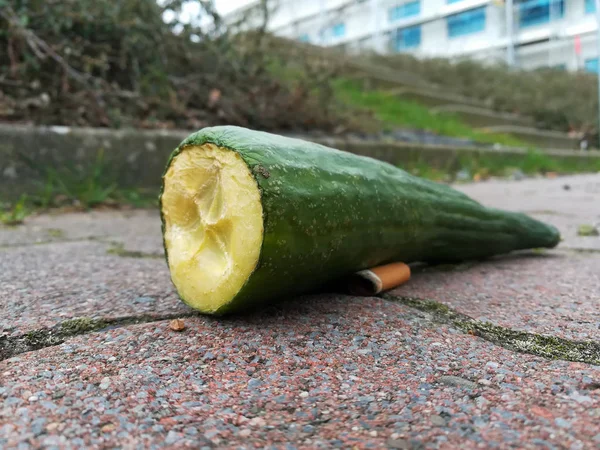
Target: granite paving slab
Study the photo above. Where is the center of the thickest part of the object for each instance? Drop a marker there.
(43, 285)
(555, 293)
(326, 372)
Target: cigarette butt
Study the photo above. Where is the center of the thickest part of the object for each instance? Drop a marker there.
(379, 279)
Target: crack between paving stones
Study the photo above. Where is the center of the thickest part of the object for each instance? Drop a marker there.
(580, 250)
(549, 347)
(116, 248)
(49, 337)
(49, 241)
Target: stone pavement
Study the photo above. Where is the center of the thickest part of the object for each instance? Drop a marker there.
(499, 354)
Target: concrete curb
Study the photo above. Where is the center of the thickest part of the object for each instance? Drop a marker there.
(136, 158)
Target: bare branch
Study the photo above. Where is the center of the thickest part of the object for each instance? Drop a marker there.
(39, 47)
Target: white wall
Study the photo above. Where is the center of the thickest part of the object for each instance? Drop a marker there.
(297, 17)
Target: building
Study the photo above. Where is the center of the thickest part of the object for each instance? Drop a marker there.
(536, 33)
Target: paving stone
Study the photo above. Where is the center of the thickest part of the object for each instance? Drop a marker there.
(137, 230)
(320, 371)
(548, 200)
(43, 285)
(556, 293)
(391, 396)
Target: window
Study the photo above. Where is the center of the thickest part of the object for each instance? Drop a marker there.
(591, 65)
(405, 10)
(304, 38)
(409, 37)
(453, 1)
(590, 6)
(338, 30)
(537, 12)
(472, 21)
(560, 67)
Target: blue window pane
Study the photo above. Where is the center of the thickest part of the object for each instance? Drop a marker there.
(591, 65)
(304, 38)
(590, 6)
(405, 38)
(472, 21)
(537, 12)
(453, 1)
(406, 10)
(338, 30)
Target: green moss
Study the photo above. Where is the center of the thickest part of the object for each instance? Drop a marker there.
(47, 337)
(458, 267)
(42, 338)
(547, 212)
(550, 347)
(429, 306)
(55, 232)
(119, 250)
(582, 250)
(81, 325)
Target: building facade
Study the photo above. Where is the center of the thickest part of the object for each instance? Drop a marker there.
(526, 33)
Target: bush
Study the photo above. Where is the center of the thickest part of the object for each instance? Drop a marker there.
(555, 99)
(118, 63)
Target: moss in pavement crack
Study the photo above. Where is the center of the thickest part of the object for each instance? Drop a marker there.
(582, 250)
(81, 325)
(550, 347)
(458, 267)
(55, 232)
(46, 337)
(56, 335)
(119, 250)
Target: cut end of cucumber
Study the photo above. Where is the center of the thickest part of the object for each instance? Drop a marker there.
(213, 225)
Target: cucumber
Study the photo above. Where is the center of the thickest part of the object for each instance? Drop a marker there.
(249, 217)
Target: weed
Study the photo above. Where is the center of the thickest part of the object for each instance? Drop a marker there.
(72, 185)
(138, 198)
(12, 215)
(587, 230)
(423, 170)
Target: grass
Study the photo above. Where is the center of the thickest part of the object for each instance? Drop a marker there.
(84, 188)
(394, 112)
(74, 185)
(485, 165)
(75, 188)
(533, 162)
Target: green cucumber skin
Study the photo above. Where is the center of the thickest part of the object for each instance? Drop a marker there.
(328, 213)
